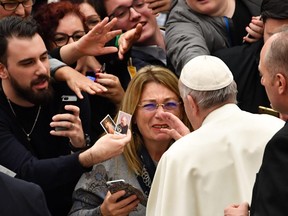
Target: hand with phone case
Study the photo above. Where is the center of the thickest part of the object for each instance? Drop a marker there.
(67, 122)
(117, 185)
(117, 202)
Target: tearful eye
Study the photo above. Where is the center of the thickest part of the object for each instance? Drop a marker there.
(150, 106)
(170, 105)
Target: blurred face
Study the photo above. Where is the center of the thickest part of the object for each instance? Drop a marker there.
(124, 121)
(20, 10)
(91, 17)
(148, 121)
(208, 7)
(267, 80)
(27, 72)
(271, 26)
(70, 25)
(131, 12)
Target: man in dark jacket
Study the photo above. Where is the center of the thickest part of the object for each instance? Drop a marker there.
(19, 197)
(243, 60)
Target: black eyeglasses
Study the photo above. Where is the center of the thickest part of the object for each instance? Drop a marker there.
(12, 5)
(170, 105)
(92, 21)
(61, 39)
(124, 12)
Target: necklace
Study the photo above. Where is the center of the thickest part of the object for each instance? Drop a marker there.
(35, 121)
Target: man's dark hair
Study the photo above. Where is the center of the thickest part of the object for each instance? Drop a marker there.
(14, 26)
(100, 8)
(275, 9)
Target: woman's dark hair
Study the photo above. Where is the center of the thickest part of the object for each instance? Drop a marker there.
(100, 8)
(48, 16)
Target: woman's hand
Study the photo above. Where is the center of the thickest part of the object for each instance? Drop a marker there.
(110, 206)
(87, 63)
(114, 92)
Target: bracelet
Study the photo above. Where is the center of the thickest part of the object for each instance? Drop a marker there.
(87, 144)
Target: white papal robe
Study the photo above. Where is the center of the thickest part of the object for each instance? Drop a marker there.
(213, 166)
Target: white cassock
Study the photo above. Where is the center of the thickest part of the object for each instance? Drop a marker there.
(213, 166)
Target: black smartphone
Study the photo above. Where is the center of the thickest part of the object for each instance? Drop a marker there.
(120, 184)
(66, 100)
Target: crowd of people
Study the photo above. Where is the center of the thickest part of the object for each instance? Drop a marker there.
(185, 96)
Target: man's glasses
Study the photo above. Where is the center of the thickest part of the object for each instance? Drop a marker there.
(170, 105)
(12, 5)
(61, 39)
(124, 12)
(92, 21)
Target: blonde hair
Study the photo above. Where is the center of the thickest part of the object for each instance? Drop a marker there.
(130, 103)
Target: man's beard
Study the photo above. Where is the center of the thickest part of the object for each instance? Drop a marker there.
(39, 97)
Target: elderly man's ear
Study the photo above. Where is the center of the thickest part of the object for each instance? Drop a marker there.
(192, 104)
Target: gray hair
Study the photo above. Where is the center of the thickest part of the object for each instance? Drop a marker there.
(207, 99)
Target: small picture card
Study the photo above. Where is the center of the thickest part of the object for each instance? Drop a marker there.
(108, 124)
(123, 122)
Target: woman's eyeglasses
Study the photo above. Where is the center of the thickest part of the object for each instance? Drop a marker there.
(124, 12)
(170, 105)
(61, 39)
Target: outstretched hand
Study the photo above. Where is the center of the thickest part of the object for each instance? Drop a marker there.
(108, 146)
(93, 43)
(177, 128)
(127, 40)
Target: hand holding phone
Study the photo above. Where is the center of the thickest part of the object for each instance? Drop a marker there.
(66, 100)
(120, 184)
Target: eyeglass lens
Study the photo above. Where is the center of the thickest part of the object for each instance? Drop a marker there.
(62, 39)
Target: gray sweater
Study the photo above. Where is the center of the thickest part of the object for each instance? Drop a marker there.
(91, 189)
(190, 34)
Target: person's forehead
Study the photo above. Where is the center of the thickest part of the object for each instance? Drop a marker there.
(29, 47)
(113, 4)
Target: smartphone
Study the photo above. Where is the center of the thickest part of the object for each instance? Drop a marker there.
(269, 111)
(92, 74)
(66, 100)
(120, 184)
(103, 68)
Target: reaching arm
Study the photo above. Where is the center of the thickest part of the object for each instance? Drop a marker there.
(93, 43)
